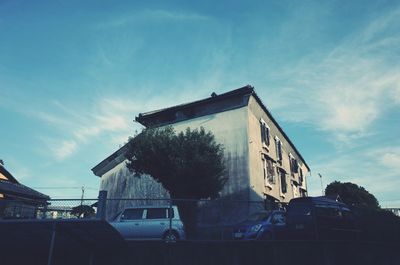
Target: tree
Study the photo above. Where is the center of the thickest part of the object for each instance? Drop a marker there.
(189, 165)
(352, 194)
(375, 224)
(83, 211)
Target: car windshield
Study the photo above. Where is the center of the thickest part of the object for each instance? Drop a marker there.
(261, 216)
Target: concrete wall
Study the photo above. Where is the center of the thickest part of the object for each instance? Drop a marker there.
(120, 183)
(257, 149)
(229, 129)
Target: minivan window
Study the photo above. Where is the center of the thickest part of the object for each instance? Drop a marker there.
(132, 214)
(156, 213)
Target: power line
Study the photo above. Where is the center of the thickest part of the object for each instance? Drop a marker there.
(62, 188)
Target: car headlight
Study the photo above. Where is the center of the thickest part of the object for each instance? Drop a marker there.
(255, 228)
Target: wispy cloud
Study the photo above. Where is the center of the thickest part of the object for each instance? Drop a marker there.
(76, 127)
(64, 149)
(109, 120)
(375, 168)
(150, 15)
(347, 89)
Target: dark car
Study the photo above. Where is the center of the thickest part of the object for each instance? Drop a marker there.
(261, 226)
(320, 218)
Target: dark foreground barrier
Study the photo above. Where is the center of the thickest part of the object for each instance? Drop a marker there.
(94, 242)
(210, 253)
(258, 252)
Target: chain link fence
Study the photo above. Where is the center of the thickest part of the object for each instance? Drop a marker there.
(211, 219)
(51, 209)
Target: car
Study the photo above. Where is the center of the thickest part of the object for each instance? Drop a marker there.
(320, 218)
(150, 223)
(263, 225)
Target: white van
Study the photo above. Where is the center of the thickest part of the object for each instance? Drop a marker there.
(150, 223)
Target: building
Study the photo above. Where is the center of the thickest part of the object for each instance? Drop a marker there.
(263, 164)
(17, 200)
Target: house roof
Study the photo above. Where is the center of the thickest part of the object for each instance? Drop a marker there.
(147, 119)
(14, 188)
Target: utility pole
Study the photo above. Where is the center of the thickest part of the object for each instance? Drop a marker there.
(322, 187)
(83, 193)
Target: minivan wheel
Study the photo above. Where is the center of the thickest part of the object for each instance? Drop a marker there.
(170, 237)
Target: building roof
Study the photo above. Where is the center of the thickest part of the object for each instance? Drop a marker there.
(152, 118)
(13, 188)
(147, 117)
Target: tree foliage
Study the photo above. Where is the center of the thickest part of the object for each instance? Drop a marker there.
(352, 194)
(189, 164)
(84, 211)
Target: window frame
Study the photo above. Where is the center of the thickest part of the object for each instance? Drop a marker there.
(268, 181)
(282, 176)
(165, 210)
(278, 150)
(265, 133)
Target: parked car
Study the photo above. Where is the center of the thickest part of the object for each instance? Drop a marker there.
(320, 218)
(261, 226)
(150, 222)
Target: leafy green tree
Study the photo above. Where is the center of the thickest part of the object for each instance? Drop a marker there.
(189, 165)
(352, 194)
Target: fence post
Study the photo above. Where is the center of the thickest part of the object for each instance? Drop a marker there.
(101, 205)
(170, 217)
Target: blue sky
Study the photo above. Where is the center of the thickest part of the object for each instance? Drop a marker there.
(74, 74)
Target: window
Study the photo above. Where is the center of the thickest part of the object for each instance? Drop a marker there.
(300, 177)
(132, 214)
(282, 176)
(294, 187)
(269, 173)
(156, 213)
(278, 146)
(264, 132)
(294, 166)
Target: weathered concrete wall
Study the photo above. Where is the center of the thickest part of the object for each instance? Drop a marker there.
(256, 150)
(120, 183)
(229, 129)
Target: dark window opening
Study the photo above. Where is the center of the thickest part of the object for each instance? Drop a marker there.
(132, 214)
(283, 181)
(294, 166)
(264, 133)
(278, 145)
(156, 213)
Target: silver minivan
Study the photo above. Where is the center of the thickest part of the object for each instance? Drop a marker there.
(150, 222)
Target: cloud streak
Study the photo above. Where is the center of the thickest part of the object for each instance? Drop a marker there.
(347, 89)
(376, 169)
(151, 15)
